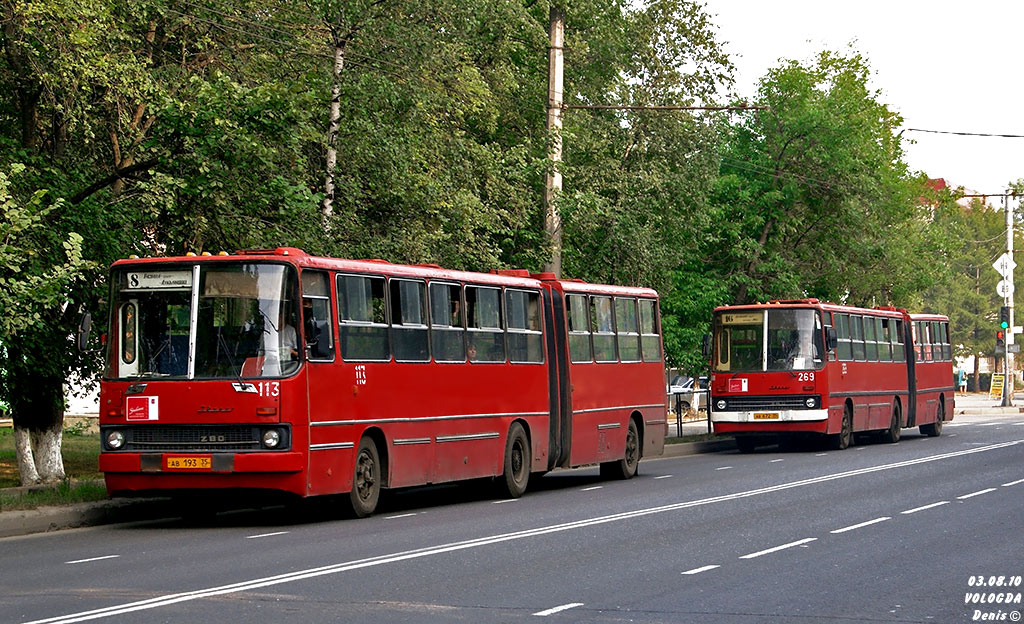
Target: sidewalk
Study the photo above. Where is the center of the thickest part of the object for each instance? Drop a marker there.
(980, 403)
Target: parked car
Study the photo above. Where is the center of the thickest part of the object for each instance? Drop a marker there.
(686, 396)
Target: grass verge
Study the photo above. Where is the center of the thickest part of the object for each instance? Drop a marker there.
(81, 465)
(64, 493)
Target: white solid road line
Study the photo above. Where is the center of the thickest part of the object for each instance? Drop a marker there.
(861, 525)
(439, 549)
(558, 609)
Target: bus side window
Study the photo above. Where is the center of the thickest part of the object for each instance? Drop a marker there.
(844, 346)
(522, 313)
(579, 328)
(447, 325)
(603, 324)
(650, 344)
(316, 315)
(898, 346)
(362, 318)
(409, 320)
(483, 317)
(857, 336)
(870, 340)
(882, 328)
(626, 329)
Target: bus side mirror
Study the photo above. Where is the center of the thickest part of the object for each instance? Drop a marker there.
(321, 347)
(705, 348)
(831, 338)
(84, 327)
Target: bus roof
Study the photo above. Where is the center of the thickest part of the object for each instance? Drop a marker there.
(814, 303)
(292, 255)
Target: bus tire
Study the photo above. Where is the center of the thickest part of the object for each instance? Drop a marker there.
(934, 430)
(892, 434)
(842, 439)
(625, 468)
(365, 479)
(516, 472)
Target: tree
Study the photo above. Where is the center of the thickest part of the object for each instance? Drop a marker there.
(33, 284)
(812, 190)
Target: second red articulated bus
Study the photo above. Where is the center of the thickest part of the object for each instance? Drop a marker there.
(276, 370)
(798, 367)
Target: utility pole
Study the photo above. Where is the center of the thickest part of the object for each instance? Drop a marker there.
(553, 185)
(1008, 377)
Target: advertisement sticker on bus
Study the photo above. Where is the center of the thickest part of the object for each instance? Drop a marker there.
(738, 385)
(139, 408)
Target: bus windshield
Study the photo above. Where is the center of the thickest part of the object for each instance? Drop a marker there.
(785, 339)
(235, 320)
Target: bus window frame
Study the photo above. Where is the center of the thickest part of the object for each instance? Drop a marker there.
(356, 324)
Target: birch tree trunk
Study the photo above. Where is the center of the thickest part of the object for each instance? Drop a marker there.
(39, 455)
(334, 122)
(37, 408)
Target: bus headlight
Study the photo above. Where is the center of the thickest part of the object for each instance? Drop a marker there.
(271, 438)
(115, 440)
(720, 404)
(811, 402)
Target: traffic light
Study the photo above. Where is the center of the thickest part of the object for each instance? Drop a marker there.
(1000, 340)
(1004, 317)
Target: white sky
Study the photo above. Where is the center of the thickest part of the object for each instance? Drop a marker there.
(943, 65)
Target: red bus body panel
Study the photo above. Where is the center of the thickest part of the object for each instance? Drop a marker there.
(433, 421)
(922, 389)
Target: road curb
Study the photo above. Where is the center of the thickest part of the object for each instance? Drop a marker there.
(46, 519)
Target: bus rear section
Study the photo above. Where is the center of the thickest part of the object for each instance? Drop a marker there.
(934, 387)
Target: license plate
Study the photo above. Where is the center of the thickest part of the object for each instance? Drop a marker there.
(198, 462)
(766, 415)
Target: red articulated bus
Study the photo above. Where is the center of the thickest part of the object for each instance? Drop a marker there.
(789, 368)
(276, 370)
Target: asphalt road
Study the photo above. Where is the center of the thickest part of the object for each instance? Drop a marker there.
(876, 533)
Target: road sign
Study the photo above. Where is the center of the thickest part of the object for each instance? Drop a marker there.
(1013, 348)
(1004, 265)
(1004, 288)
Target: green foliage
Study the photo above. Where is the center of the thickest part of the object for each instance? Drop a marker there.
(32, 279)
(814, 198)
(169, 127)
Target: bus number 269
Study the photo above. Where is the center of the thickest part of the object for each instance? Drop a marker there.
(805, 377)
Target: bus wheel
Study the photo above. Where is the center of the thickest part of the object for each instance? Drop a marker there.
(934, 429)
(626, 467)
(366, 480)
(517, 462)
(892, 434)
(842, 439)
